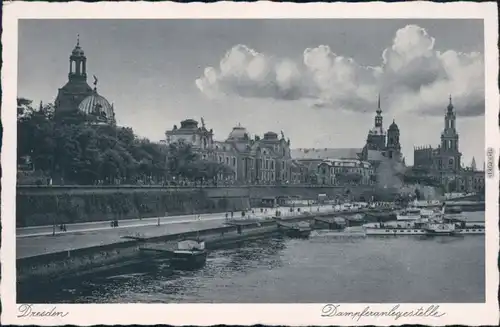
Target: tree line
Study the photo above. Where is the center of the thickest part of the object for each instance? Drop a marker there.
(68, 148)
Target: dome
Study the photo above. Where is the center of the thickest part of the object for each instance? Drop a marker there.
(270, 136)
(189, 124)
(238, 133)
(393, 126)
(97, 106)
(77, 51)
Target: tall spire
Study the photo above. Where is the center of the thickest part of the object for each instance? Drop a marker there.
(450, 105)
(379, 111)
(78, 40)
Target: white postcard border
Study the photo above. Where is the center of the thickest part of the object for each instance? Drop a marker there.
(242, 314)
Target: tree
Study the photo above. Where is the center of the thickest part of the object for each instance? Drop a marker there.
(71, 146)
(180, 159)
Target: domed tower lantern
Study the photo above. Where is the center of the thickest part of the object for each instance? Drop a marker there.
(77, 62)
(76, 88)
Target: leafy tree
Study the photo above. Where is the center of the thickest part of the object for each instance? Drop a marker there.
(70, 146)
(181, 158)
(67, 145)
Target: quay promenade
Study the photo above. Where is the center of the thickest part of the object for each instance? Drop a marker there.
(39, 240)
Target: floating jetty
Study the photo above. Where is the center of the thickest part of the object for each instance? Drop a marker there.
(296, 230)
(189, 254)
(66, 256)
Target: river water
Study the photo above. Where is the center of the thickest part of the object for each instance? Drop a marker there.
(323, 268)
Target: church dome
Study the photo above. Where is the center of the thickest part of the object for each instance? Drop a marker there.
(238, 133)
(97, 106)
(77, 51)
(394, 126)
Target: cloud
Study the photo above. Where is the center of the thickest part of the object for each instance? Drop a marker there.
(412, 77)
(247, 73)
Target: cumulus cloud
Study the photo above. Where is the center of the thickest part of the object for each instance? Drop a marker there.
(412, 76)
(245, 72)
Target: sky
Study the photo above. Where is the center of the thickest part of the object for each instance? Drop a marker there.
(316, 80)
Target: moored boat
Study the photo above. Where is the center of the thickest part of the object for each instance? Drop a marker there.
(391, 231)
(437, 229)
(190, 254)
(409, 214)
(425, 227)
(299, 230)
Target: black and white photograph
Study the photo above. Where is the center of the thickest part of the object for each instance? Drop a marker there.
(264, 161)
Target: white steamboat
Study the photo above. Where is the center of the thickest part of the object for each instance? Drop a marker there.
(434, 224)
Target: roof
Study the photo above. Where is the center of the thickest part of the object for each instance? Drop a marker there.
(325, 153)
(97, 105)
(377, 130)
(238, 133)
(394, 126)
(375, 155)
(189, 124)
(346, 163)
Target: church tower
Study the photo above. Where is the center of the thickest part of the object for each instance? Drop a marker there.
(378, 117)
(76, 89)
(450, 154)
(393, 145)
(473, 164)
(77, 63)
(376, 136)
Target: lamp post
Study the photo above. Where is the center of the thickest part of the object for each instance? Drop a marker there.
(54, 217)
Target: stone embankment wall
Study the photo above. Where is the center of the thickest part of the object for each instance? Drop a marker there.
(81, 261)
(44, 205)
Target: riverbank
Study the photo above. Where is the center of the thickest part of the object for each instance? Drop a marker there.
(325, 267)
(63, 254)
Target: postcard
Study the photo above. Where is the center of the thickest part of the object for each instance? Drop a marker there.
(250, 163)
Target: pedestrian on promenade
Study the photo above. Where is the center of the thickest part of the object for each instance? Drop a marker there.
(158, 224)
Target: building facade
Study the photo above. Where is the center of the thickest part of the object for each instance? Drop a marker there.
(445, 161)
(256, 160)
(354, 165)
(345, 171)
(77, 95)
